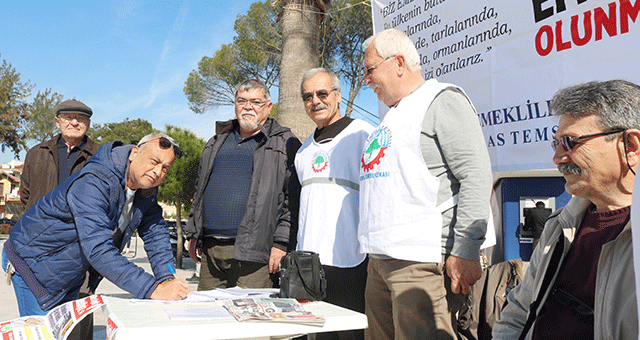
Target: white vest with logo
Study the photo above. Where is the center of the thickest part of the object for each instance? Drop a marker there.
(329, 198)
(398, 195)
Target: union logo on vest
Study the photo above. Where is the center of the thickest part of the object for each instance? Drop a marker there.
(320, 161)
(374, 148)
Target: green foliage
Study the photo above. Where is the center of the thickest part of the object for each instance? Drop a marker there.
(41, 126)
(214, 82)
(14, 110)
(254, 53)
(129, 131)
(179, 186)
(350, 25)
(259, 42)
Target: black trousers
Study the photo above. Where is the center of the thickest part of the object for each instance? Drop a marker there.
(345, 288)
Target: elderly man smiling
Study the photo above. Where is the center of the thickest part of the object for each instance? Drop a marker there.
(425, 184)
(580, 283)
(86, 220)
(328, 167)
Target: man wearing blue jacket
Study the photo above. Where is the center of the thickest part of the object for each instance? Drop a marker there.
(86, 220)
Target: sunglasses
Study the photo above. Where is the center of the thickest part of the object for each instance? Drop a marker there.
(166, 144)
(321, 94)
(568, 143)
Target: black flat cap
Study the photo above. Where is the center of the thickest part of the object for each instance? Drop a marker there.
(73, 106)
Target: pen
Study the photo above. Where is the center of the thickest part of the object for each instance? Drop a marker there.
(173, 271)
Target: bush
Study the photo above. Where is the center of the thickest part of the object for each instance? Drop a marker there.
(5, 228)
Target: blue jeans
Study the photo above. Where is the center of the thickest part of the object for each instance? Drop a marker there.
(27, 302)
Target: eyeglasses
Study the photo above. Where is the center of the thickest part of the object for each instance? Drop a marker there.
(321, 94)
(68, 117)
(568, 143)
(252, 102)
(369, 70)
(165, 144)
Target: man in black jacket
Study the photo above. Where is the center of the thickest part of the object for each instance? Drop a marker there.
(535, 220)
(246, 202)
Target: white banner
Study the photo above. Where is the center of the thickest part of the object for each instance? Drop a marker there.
(511, 56)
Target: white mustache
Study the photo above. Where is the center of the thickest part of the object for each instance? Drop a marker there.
(319, 107)
(569, 168)
(373, 86)
(250, 113)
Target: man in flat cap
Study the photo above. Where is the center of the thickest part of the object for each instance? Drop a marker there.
(52, 162)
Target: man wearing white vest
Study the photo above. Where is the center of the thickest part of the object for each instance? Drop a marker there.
(425, 184)
(328, 167)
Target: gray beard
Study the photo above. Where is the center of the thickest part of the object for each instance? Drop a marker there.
(569, 168)
(248, 126)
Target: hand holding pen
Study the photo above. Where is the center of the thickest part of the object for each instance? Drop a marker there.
(174, 289)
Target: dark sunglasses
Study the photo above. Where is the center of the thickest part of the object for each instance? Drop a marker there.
(166, 144)
(321, 94)
(568, 143)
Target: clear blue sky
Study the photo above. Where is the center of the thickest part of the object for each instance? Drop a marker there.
(125, 59)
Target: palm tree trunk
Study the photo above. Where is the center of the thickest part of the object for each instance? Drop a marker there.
(300, 52)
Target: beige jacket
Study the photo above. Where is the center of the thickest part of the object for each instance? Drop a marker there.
(615, 312)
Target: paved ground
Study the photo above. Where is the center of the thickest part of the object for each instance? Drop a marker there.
(9, 309)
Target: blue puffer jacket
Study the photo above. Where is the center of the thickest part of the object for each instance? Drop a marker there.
(72, 227)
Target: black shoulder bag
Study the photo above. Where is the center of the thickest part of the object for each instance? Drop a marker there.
(552, 269)
(302, 276)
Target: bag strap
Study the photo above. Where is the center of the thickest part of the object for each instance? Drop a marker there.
(554, 265)
(307, 286)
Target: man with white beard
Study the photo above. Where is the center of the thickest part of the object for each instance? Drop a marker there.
(246, 203)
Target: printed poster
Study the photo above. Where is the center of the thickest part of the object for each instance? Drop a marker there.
(511, 56)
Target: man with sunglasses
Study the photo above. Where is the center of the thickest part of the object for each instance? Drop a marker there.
(580, 283)
(425, 185)
(51, 162)
(86, 221)
(246, 202)
(328, 166)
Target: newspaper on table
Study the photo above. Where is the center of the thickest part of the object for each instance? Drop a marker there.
(56, 324)
(272, 310)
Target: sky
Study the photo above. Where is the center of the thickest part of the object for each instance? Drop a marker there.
(124, 59)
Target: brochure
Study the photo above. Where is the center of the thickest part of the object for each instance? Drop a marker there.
(271, 310)
(56, 324)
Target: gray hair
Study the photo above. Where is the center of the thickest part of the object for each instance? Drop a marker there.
(335, 81)
(391, 42)
(615, 102)
(157, 135)
(251, 84)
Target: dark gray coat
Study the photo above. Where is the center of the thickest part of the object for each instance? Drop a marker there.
(271, 217)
